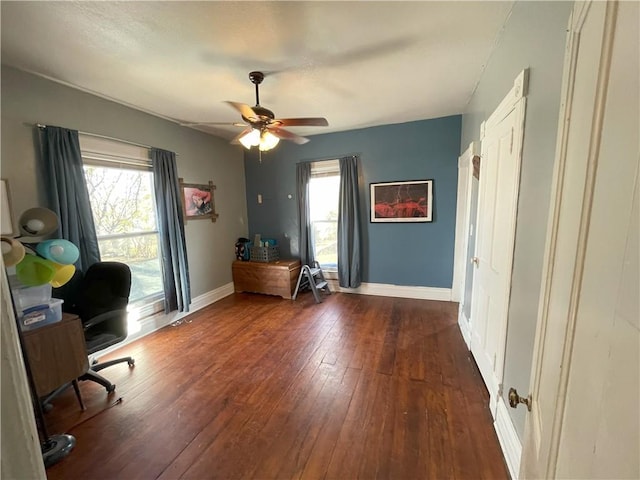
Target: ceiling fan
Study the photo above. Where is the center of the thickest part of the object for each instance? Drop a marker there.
(263, 129)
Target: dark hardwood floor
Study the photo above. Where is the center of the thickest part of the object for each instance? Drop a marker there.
(260, 387)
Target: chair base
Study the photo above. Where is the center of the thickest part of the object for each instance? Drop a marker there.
(93, 375)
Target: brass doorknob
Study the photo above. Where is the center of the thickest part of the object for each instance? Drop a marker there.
(515, 399)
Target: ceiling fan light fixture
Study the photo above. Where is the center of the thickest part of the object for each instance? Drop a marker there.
(250, 139)
(268, 141)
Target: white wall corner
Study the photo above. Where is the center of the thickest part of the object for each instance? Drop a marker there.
(401, 291)
(508, 438)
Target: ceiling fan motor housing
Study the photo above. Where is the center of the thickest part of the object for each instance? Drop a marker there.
(263, 120)
(264, 115)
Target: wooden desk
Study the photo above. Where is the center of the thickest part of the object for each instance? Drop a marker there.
(57, 353)
(271, 278)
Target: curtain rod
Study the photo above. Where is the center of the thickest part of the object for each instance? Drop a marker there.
(41, 126)
(324, 159)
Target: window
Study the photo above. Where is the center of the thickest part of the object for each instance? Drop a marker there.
(324, 190)
(120, 184)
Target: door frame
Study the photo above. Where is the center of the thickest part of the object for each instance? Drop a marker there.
(463, 225)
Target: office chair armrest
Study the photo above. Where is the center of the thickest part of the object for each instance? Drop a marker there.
(103, 317)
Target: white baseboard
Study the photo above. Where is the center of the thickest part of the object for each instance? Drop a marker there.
(159, 320)
(508, 438)
(213, 296)
(386, 290)
(463, 323)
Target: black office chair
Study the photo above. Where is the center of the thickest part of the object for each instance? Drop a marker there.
(100, 298)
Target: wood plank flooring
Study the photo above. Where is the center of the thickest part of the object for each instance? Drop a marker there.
(260, 387)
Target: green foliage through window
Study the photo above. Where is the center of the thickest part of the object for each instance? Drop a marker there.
(123, 207)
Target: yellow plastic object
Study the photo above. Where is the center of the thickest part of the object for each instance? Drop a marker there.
(63, 274)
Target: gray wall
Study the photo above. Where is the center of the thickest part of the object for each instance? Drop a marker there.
(409, 254)
(28, 99)
(534, 38)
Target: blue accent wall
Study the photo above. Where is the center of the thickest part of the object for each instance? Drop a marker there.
(408, 254)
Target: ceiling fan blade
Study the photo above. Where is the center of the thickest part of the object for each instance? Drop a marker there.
(230, 124)
(299, 122)
(287, 135)
(245, 110)
(236, 140)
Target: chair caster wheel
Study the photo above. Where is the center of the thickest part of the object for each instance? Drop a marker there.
(111, 388)
(132, 362)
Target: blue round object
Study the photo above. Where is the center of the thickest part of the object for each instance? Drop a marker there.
(58, 250)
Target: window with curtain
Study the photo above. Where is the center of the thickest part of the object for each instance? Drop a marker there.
(120, 184)
(324, 195)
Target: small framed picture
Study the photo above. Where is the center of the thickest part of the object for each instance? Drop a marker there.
(395, 202)
(198, 201)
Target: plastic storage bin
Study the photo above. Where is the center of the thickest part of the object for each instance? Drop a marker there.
(26, 297)
(265, 254)
(40, 315)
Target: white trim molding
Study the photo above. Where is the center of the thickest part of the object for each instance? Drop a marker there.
(508, 438)
(213, 296)
(465, 329)
(403, 291)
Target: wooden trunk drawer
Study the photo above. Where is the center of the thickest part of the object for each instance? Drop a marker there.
(272, 278)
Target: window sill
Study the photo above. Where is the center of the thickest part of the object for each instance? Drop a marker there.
(142, 310)
(330, 274)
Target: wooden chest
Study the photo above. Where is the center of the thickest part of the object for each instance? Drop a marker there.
(272, 278)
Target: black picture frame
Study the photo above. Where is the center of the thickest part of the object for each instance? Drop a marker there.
(402, 202)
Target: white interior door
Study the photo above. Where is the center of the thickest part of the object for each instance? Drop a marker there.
(585, 379)
(497, 207)
(465, 223)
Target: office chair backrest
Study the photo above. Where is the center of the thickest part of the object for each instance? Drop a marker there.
(105, 287)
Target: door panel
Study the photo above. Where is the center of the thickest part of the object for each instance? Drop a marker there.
(498, 196)
(585, 383)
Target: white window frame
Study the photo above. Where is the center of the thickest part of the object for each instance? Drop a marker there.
(325, 168)
(105, 152)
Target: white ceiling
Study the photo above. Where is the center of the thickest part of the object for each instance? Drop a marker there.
(358, 64)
